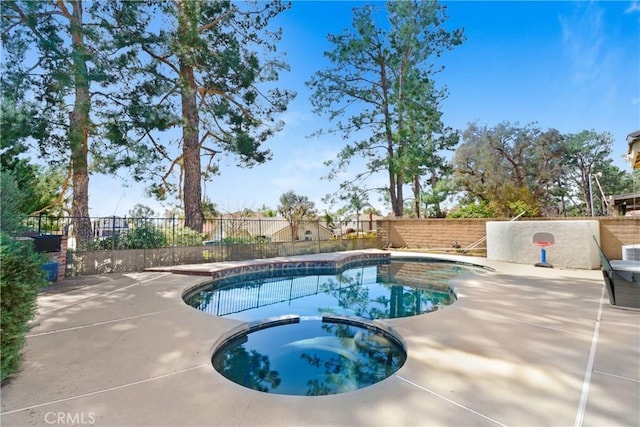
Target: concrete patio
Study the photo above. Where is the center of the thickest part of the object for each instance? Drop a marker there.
(522, 346)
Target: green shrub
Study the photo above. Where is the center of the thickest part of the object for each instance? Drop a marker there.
(472, 210)
(10, 200)
(145, 237)
(240, 240)
(21, 276)
(520, 206)
(103, 244)
(184, 237)
(148, 236)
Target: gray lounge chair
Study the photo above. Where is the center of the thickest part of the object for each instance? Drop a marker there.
(621, 280)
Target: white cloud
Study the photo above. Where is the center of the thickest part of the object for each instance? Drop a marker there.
(313, 159)
(633, 7)
(593, 57)
(583, 39)
(297, 117)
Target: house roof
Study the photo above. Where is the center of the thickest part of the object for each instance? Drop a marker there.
(363, 217)
(634, 149)
(271, 226)
(633, 135)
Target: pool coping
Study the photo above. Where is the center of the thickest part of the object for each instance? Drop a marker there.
(329, 261)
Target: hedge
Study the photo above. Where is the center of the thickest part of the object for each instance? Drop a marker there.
(21, 276)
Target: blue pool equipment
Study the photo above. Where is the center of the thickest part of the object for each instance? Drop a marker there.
(51, 270)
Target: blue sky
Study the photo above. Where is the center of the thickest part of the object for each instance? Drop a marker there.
(565, 65)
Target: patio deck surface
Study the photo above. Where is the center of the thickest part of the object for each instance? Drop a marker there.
(522, 346)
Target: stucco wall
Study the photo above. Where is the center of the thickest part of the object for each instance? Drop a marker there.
(573, 244)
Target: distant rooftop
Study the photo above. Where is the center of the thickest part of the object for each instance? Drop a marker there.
(634, 149)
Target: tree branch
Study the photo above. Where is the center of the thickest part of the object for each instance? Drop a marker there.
(216, 21)
(162, 59)
(63, 10)
(60, 199)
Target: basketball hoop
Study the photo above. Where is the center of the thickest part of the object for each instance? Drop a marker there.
(543, 241)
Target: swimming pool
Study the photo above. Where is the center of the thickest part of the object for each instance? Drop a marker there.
(387, 289)
(309, 328)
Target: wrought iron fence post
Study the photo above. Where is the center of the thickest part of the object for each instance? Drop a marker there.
(318, 234)
(173, 226)
(39, 223)
(260, 240)
(113, 233)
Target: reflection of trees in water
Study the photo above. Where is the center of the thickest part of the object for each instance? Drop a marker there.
(352, 294)
(390, 297)
(410, 302)
(402, 301)
(250, 369)
(373, 357)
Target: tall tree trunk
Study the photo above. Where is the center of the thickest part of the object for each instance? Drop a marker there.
(392, 192)
(398, 209)
(587, 191)
(433, 181)
(416, 195)
(79, 131)
(192, 187)
(393, 178)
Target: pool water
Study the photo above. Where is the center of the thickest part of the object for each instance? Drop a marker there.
(313, 334)
(310, 358)
(390, 290)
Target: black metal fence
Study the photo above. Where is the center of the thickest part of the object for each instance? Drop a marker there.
(113, 233)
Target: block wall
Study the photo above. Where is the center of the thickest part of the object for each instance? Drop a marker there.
(430, 233)
(437, 234)
(617, 232)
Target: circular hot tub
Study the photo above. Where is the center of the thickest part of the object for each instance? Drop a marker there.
(310, 356)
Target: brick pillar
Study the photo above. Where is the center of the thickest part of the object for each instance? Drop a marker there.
(61, 257)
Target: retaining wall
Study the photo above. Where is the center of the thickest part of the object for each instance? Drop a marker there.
(451, 234)
(430, 233)
(424, 234)
(124, 261)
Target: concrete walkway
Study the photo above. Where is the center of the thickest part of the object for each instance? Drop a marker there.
(522, 346)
